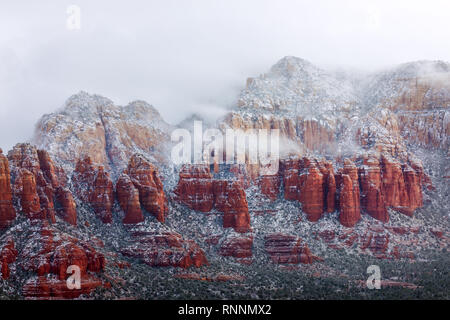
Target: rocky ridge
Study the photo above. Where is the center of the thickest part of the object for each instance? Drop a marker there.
(99, 190)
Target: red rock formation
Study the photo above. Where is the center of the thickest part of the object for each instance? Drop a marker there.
(284, 249)
(50, 259)
(237, 247)
(240, 172)
(311, 133)
(54, 187)
(93, 185)
(315, 185)
(421, 107)
(29, 199)
(439, 233)
(270, 186)
(403, 230)
(67, 208)
(312, 183)
(4, 270)
(36, 183)
(56, 252)
(199, 191)
(413, 187)
(165, 249)
(25, 156)
(349, 195)
(372, 200)
(30, 185)
(349, 204)
(417, 166)
(393, 183)
(351, 239)
(329, 184)
(7, 211)
(327, 235)
(305, 182)
(146, 179)
(311, 195)
(230, 198)
(128, 197)
(377, 243)
(397, 254)
(290, 169)
(195, 187)
(52, 174)
(351, 170)
(83, 178)
(8, 255)
(315, 135)
(330, 192)
(107, 133)
(402, 186)
(101, 196)
(220, 194)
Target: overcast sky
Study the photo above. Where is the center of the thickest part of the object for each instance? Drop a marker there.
(185, 56)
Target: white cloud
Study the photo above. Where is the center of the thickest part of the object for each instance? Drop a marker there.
(183, 55)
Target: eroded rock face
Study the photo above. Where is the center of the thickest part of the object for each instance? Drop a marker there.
(420, 101)
(164, 249)
(428, 129)
(242, 175)
(55, 252)
(402, 186)
(7, 211)
(310, 182)
(29, 199)
(406, 104)
(413, 188)
(375, 242)
(373, 185)
(48, 253)
(146, 179)
(349, 204)
(330, 191)
(288, 249)
(66, 206)
(38, 184)
(53, 174)
(8, 255)
(109, 134)
(349, 197)
(372, 200)
(195, 187)
(235, 207)
(237, 247)
(305, 133)
(128, 197)
(270, 186)
(102, 195)
(93, 185)
(290, 169)
(311, 192)
(327, 119)
(199, 191)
